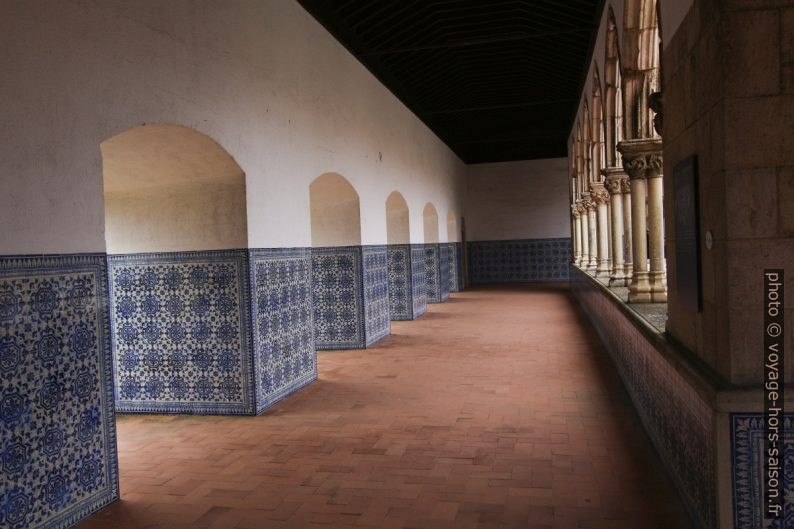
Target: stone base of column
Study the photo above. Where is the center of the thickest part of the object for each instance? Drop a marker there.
(628, 271)
(658, 282)
(618, 278)
(640, 288)
(603, 269)
(592, 265)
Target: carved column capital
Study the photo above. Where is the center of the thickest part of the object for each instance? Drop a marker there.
(642, 158)
(613, 178)
(580, 206)
(598, 193)
(587, 202)
(625, 185)
(575, 211)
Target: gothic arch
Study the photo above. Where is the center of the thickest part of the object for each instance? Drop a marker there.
(597, 145)
(613, 93)
(641, 61)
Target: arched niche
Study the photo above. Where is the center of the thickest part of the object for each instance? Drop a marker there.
(335, 211)
(397, 223)
(452, 227)
(430, 216)
(171, 188)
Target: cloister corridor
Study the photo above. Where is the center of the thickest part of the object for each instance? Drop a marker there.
(499, 408)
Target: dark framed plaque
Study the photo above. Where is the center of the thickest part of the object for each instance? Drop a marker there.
(687, 234)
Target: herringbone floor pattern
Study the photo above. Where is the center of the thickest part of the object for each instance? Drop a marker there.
(497, 409)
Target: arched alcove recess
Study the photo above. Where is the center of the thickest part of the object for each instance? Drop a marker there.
(597, 148)
(452, 227)
(397, 223)
(613, 93)
(335, 211)
(171, 188)
(640, 55)
(430, 216)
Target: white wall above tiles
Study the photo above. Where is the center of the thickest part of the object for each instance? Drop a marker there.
(263, 79)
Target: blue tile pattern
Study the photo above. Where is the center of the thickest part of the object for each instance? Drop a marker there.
(283, 327)
(338, 298)
(678, 420)
(747, 436)
(181, 332)
(57, 428)
(445, 262)
(454, 268)
(418, 280)
(432, 288)
(377, 324)
(524, 260)
(400, 292)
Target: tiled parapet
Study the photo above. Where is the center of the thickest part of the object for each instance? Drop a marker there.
(407, 299)
(523, 260)
(283, 326)
(678, 419)
(57, 429)
(418, 280)
(747, 471)
(345, 296)
(182, 332)
(436, 273)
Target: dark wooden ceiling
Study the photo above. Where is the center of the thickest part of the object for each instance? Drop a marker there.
(496, 80)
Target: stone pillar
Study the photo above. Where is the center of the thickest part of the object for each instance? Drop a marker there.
(592, 224)
(635, 162)
(613, 177)
(600, 197)
(658, 271)
(628, 253)
(585, 221)
(577, 234)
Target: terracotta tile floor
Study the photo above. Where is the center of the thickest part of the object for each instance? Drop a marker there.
(497, 409)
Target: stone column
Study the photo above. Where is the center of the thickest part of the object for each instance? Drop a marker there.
(600, 196)
(658, 271)
(613, 177)
(628, 261)
(577, 234)
(592, 234)
(585, 220)
(635, 162)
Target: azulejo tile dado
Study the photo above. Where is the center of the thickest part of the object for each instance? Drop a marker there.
(283, 326)
(407, 300)
(523, 260)
(181, 332)
(418, 280)
(345, 295)
(436, 273)
(747, 471)
(678, 420)
(377, 323)
(455, 270)
(57, 429)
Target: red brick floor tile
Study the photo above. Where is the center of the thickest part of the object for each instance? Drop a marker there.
(497, 409)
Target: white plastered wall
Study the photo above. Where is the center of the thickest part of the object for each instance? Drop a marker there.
(263, 79)
(518, 200)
